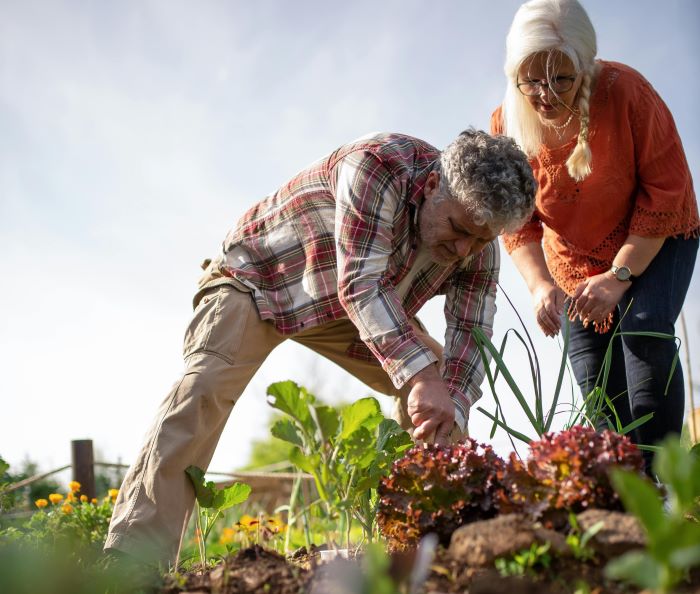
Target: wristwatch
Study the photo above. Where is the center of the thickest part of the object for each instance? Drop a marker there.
(622, 273)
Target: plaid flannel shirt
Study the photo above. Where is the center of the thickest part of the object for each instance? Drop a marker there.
(335, 242)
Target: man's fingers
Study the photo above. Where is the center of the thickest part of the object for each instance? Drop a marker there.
(426, 431)
(442, 434)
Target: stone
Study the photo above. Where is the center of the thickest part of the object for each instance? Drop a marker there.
(481, 543)
(621, 532)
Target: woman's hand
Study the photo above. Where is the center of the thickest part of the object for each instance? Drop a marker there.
(548, 300)
(597, 296)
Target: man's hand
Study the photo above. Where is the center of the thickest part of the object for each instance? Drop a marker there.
(430, 407)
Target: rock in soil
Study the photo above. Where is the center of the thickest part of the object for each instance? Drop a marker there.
(479, 544)
(620, 533)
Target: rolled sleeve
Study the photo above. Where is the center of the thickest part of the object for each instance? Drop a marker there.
(367, 200)
(470, 303)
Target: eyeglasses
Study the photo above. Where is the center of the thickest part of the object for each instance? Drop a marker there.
(559, 84)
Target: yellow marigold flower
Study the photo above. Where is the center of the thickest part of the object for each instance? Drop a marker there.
(248, 523)
(40, 503)
(113, 494)
(55, 498)
(67, 508)
(74, 486)
(83, 498)
(70, 498)
(276, 525)
(227, 536)
(94, 501)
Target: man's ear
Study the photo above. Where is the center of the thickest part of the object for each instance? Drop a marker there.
(432, 184)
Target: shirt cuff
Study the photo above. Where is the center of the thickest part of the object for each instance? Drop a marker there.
(402, 370)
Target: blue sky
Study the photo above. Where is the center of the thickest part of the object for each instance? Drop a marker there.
(135, 133)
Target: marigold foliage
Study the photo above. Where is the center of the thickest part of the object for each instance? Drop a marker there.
(437, 489)
(568, 470)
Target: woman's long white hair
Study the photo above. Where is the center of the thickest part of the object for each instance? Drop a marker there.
(548, 26)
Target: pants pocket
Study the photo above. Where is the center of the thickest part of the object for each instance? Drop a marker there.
(218, 323)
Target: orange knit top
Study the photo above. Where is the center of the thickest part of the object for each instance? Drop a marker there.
(639, 183)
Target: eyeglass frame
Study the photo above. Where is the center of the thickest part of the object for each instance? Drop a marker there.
(545, 84)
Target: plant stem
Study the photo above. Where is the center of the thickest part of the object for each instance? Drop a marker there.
(290, 513)
(200, 537)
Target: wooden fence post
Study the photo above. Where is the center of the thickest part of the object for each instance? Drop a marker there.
(83, 463)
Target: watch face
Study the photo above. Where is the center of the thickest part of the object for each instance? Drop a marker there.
(623, 273)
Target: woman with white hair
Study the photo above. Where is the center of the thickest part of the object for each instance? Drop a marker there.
(615, 231)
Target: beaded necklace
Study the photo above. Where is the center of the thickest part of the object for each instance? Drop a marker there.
(558, 130)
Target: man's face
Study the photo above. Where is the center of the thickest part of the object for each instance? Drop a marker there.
(446, 229)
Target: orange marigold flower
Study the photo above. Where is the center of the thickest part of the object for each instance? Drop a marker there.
(83, 498)
(70, 497)
(113, 494)
(40, 503)
(93, 500)
(227, 536)
(67, 508)
(55, 498)
(74, 486)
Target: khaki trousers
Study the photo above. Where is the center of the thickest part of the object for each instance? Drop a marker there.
(225, 344)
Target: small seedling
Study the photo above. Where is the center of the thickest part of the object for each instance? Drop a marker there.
(211, 502)
(526, 562)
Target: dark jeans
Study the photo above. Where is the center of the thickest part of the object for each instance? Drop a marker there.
(641, 365)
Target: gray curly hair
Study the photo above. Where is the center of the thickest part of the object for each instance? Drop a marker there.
(491, 177)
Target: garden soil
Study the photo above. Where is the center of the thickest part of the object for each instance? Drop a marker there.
(465, 567)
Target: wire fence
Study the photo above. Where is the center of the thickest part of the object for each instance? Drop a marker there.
(271, 485)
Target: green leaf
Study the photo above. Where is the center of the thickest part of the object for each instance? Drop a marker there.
(641, 499)
(591, 532)
(359, 448)
(521, 436)
(230, 496)
(357, 414)
(328, 421)
(695, 451)
(680, 471)
(301, 461)
(204, 491)
(290, 399)
(483, 341)
(636, 423)
(285, 430)
(637, 567)
(686, 557)
(560, 376)
(392, 438)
